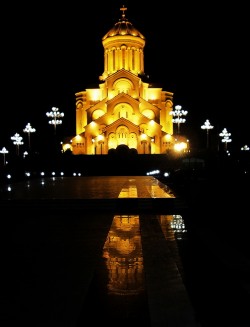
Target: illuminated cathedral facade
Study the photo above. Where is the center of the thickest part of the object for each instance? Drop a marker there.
(124, 110)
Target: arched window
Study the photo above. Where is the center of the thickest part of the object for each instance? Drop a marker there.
(122, 134)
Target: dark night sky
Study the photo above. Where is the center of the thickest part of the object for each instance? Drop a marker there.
(197, 51)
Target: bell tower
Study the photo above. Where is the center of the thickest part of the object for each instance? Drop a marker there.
(123, 48)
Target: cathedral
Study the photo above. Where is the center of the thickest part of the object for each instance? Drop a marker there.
(124, 110)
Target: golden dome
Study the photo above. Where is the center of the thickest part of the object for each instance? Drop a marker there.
(123, 27)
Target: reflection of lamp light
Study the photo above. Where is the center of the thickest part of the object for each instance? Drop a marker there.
(173, 227)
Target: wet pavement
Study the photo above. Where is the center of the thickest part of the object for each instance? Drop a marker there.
(121, 250)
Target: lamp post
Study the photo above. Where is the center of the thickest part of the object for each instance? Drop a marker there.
(207, 126)
(55, 114)
(4, 151)
(17, 140)
(28, 129)
(225, 137)
(178, 113)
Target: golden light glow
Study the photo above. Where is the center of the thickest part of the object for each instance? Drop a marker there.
(129, 192)
(149, 113)
(154, 94)
(93, 94)
(78, 137)
(66, 147)
(123, 254)
(143, 137)
(173, 227)
(100, 138)
(181, 146)
(97, 113)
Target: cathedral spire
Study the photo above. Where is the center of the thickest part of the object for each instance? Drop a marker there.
(123, 9)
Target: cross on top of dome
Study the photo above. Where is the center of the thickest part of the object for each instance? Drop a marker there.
(123, 9)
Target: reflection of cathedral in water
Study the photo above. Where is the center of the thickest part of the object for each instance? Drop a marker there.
(123, 251)
(123, 254)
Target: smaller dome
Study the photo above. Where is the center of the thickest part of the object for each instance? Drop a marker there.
(123, 27)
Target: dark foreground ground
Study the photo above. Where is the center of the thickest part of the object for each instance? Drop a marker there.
(216, 257)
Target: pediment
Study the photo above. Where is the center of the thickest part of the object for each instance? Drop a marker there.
(123, 97)
(122, 73)
(122, 121)
(148, 105)
(123, 81)
(97, 105)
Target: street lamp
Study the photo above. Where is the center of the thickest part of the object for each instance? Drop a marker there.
(245, 148)
(207, 126)
(178, 113)
(225, 137)
(25, 154)
(4, 151)
(55, 115)
(17, 140)
(28, 129)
